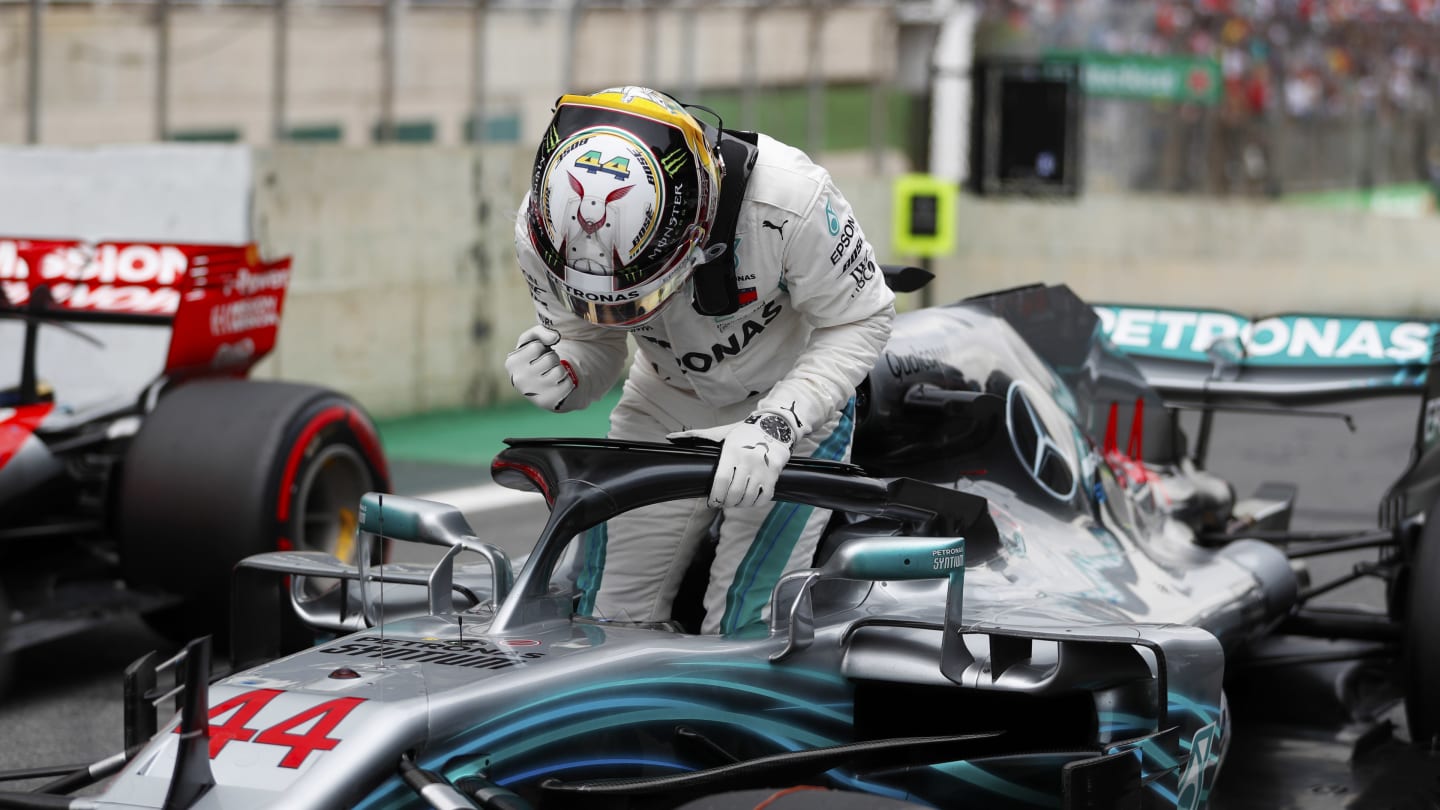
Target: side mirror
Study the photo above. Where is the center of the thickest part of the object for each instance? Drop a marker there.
(400, 517)
(868, 558)
(896, 558)
(412, 519)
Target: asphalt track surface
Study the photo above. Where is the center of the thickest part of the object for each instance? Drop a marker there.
(1308, 754)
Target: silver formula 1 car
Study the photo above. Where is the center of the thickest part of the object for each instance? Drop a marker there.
(1008, 610)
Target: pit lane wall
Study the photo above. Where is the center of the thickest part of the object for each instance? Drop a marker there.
(405, 294)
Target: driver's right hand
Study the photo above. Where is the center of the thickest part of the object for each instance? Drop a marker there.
(537, 371)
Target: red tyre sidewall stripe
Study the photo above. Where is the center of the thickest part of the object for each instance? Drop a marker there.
(297, 454)
(370, 442)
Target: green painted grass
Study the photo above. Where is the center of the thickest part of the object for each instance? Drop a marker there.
(1400, 199)
(474, 436)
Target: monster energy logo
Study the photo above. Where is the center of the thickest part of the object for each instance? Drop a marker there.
(673, 161)
(552, 139)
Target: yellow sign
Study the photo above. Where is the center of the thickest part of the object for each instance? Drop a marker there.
(924, 215)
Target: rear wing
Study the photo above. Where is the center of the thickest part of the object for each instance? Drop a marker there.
(221, 302)
(1216, 356)
(1214, 359)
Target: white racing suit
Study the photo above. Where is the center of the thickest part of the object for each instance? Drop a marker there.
(815, 313)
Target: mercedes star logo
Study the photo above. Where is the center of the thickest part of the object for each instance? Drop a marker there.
(1041, 455)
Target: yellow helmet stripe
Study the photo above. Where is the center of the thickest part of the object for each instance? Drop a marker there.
(691, 129)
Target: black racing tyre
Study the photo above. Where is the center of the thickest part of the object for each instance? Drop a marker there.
(797, 798)
(1422, 641)
(223, 469)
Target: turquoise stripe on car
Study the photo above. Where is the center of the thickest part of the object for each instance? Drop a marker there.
(593, 569)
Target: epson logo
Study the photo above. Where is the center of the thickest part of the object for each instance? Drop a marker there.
(846, 235)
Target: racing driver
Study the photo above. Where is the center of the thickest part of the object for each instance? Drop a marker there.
(757, 307)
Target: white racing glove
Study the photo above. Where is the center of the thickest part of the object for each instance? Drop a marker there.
(537, 371)
(752, 453)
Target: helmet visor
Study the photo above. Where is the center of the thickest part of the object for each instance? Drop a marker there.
(595, 298)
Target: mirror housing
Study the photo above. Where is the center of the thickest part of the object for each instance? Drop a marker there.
(399, 517)
(896, 558)
(868, 558)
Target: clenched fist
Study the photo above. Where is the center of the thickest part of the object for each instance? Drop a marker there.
(537, 371)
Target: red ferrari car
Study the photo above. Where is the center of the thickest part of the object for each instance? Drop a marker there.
(137, 462)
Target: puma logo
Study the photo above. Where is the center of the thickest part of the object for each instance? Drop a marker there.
(781, 227)
(791, 407)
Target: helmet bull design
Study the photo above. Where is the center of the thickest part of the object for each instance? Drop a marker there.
(590, 203)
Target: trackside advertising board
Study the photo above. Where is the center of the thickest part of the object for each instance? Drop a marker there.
(1298, 340)
(1149, 78)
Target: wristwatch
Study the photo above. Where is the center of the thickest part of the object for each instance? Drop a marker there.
(774, 426)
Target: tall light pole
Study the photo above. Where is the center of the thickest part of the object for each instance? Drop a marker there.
(277, 91)
(389, 68)
(162, 70)
(689, 48)
(32, 74)
(815, 129)
(652, 43)
(572, 41)
(750, 67)
(880, 93)
(477, 71)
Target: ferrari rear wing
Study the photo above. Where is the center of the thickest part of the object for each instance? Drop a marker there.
(221, 302)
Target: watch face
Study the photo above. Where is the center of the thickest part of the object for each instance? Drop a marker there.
(774, 426)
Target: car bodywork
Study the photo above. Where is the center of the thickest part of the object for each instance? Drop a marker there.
(1008, 610)
(999, 614)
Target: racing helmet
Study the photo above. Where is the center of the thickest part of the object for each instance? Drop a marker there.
(622, 200)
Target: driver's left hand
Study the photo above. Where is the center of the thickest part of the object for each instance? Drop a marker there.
(752, 454)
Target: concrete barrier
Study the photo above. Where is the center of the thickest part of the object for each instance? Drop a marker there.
(404, 292)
